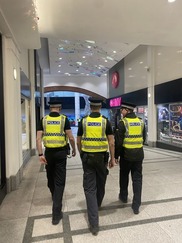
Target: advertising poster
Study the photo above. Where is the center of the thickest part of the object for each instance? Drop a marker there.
(176, 119)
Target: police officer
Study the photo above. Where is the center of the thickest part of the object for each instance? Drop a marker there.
(129, 141)
(94, 137)
(54, 129)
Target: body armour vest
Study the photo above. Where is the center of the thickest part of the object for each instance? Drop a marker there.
(94, 134)
(54, 135)
(134, 133)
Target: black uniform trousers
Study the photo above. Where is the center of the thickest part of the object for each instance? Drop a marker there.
(136, 174)
(94, 180)
(56, 176)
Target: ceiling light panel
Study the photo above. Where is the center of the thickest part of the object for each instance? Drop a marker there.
(93, 58)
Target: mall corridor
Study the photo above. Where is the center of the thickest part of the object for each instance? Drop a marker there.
(25, 214)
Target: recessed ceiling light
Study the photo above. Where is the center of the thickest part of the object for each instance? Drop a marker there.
(110, 58)
(59, 65)
(83, 56)
(141, 62)
(114, 51)
(60, 58)
(90, 41)
(171, 1)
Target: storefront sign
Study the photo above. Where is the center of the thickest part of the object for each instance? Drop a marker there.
(115, 102)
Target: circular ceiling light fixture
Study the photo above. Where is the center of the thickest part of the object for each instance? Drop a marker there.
(171, 1)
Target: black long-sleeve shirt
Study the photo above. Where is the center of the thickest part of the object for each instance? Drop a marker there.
(135, 154)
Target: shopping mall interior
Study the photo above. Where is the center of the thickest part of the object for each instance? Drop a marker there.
(118, 51)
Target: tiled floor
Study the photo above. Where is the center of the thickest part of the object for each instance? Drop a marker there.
(25, 214)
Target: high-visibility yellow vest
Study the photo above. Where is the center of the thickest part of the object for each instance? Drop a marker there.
(94, 134)
(54, 135)
(134, 133)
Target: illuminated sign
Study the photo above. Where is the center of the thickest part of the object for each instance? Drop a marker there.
(115, 102)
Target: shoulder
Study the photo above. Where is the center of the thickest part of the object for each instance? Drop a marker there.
(84, 117)
(105, 117)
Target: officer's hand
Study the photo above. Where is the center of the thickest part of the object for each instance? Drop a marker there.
(73, 152)
(117, 161)
(42, 160)
(111, 163)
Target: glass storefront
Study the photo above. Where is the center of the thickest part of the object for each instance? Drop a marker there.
(169, 127)
(114, 117)
(142, 112)
(25, 124)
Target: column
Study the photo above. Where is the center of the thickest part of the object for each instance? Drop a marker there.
(32, 103)
(77, 108)
(152, 117)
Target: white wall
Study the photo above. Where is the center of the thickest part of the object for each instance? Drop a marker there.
(12, 98)
(24, 61)
(135, 70)
(168, 66)
(168, 63)
(94, 84)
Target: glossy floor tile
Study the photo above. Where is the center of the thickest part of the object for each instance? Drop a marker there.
(25, 214)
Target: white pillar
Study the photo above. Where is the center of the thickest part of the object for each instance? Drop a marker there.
(152, 117)
(42, 93)
(32, 103)
(12, 103)
(77, 108)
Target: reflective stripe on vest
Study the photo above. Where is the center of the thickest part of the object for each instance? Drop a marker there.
(134, 133)
(94, 134)
(54, 135)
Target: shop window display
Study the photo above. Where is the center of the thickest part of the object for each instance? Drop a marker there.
(170, 124)
(25, 124)
(142, 112)
(114, 117)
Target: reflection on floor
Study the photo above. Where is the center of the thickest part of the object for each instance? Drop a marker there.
(25, 214)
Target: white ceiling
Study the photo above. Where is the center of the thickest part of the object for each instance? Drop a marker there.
(18, 21)
(65, 25)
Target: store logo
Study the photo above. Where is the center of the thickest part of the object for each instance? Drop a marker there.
(115, 102)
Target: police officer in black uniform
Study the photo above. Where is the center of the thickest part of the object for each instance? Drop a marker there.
(129, 139)
(54, 129)
(94, 137)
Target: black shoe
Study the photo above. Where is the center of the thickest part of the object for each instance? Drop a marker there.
(124, 200)
(94, 230)
(135, 210)
(56, 219)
